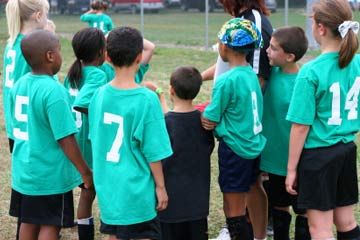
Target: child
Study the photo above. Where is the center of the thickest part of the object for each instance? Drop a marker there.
(45, 150)
(128, 137)
(236, 110)
(22, 17)
(96, 17)
(187, 171)
(85, 77)
(287, 46)
(324, 116)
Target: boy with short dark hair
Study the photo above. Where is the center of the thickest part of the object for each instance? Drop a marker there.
(44, 128)
(129, 138)
(287, 46)
(187, 171)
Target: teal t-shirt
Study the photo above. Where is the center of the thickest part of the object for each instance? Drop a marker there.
(127, 131)
(41, 115)
(92, 79)
(15, 66)
(101, 21)
(276, 129)
(326, 98)
(237, 106)
(110, 72)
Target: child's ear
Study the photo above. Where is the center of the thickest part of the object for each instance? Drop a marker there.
(49, 56)
(171, 91)
(290, 57)
(321, 29)
(138, 59)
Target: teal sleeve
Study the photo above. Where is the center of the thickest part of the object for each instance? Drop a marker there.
(141, 73)
(59, 114)
(159, 147)
(219, 101)
(86, 17)
(85, 94)
(302, 107)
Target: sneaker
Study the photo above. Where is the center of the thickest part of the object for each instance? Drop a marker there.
(270, 230)
(224, 234)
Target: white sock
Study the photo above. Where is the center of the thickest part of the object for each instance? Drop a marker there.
(86, 221)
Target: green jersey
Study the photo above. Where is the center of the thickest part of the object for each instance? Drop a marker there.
(110, 72)
(41, 115)
(15, 66)
(100, 21)
(326, 98)
(127, 132)
(276, 129)
(92, 79)
(236, 107)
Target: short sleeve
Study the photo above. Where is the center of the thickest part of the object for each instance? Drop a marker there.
(85, 94)
(219, 101)
(141, 73)
(303, 101)
(86, 17)
(59, 114)
(155, 142)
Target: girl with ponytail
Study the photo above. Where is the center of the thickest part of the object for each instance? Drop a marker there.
(83, 79)
(324, 115)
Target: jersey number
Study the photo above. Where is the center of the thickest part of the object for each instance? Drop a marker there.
(20, 101)
(101, 26)
(9, 82)
(351, 102)
(257, 123)
(74, 92)
(113, 155)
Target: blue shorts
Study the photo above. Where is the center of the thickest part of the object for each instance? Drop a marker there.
(236, 174)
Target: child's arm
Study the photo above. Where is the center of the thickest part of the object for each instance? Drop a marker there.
(209, 73)
(207, 124)
(152, 86)
(72, 151)
(298, 136)
(88, 16)
(148, 51)
(161, 194)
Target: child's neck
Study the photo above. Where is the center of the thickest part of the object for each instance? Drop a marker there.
(95, 63)
(42, 72)
(328, 45)
(236, 60)
(183, 106)
(28, 26)
(290, 68)
(125, 77)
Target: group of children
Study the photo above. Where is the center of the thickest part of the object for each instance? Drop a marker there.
(107, 133)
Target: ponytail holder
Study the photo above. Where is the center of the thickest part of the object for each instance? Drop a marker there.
(348, 25)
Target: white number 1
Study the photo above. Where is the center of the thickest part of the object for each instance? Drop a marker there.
(78, 120)
(257, 124)
(113, 155)
(351, 103)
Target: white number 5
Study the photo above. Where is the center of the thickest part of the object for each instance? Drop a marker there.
(21, 117)
(113, 155)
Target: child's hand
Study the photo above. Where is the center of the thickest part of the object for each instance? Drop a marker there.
(290, 182)
(88, 180)
(162, 198)
(150, 85)
(207, 124)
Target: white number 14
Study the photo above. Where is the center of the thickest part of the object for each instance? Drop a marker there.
(351, 103)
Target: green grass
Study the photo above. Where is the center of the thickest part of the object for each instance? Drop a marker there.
(179, 38)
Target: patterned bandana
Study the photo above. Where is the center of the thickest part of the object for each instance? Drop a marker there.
(239, 32)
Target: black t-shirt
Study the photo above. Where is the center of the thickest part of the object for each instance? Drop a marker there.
(187, 171)
(258, 58)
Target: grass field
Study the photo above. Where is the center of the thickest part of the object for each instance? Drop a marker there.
(180, 39)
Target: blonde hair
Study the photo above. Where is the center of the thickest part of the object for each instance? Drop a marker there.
(332, 13)
(50, 26)
(19, 11)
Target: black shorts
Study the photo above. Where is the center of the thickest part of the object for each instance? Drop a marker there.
(56, 210)
(236, 174)
(279, 197)
(145, 230)
(327, 177)
(11, 144)
(190, 230)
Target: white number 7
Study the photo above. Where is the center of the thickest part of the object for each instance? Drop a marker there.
(113, 155)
